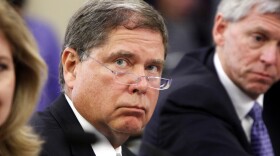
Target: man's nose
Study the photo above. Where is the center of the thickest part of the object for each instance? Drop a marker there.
(141, 85)
(270, 54)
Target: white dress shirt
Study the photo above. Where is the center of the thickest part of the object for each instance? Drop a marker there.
(103, 147)
(241, 102)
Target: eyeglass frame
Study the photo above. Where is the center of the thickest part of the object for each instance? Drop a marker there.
(116, 73)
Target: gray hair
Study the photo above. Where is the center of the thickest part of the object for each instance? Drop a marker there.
(91, 25)
(234, 10)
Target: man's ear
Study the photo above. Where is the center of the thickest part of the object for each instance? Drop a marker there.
(70, 61)
(219, 28)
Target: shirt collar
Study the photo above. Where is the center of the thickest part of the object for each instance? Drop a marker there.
(241, 102)
(103, 146)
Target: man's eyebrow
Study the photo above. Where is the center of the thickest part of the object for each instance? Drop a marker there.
(260, 30)
(128, 54)
(156, 61)
(121, 53)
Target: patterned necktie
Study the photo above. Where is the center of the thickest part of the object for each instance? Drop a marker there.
(260, 141)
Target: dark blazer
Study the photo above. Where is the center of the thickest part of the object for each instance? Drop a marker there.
(62, 133)
(196, 117)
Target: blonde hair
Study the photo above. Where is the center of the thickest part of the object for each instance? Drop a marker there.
(16, 137)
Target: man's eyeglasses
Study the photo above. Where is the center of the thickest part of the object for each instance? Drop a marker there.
(127, 78)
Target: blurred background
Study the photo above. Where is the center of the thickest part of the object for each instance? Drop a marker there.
(189, 24)
(54, 12)
(47, 21)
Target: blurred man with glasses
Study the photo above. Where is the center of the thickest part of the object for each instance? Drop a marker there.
(110, 74)
(225, 99)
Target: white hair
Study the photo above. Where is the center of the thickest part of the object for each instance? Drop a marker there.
(234, 10)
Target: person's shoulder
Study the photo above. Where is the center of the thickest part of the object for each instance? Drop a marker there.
(42, 121)
(193, 90)
(46, 120)
(197, 61)
(46, 126)
(127, 152)
(199, 54)
(194, 80)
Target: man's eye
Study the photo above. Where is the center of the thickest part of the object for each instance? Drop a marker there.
(259, 38)
(121, 63)
(153, 69)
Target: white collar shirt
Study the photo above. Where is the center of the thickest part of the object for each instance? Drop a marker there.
(103, 147)
(241, 102)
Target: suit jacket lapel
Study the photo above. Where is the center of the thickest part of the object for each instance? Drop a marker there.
(72, 129)
(207, 58)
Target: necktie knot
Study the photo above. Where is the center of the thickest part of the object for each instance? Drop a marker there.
(256, 112)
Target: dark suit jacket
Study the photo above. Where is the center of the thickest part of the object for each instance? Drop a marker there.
(62, 132)
(196, 117)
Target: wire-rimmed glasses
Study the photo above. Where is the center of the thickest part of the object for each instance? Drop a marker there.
(127, 78)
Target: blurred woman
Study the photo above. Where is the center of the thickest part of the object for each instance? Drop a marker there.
(22, 73)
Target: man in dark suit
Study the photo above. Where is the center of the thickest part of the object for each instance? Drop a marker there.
(110, 74)
(221, 96)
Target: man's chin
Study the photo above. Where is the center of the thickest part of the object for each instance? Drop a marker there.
(130, 126)
(256, 90)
